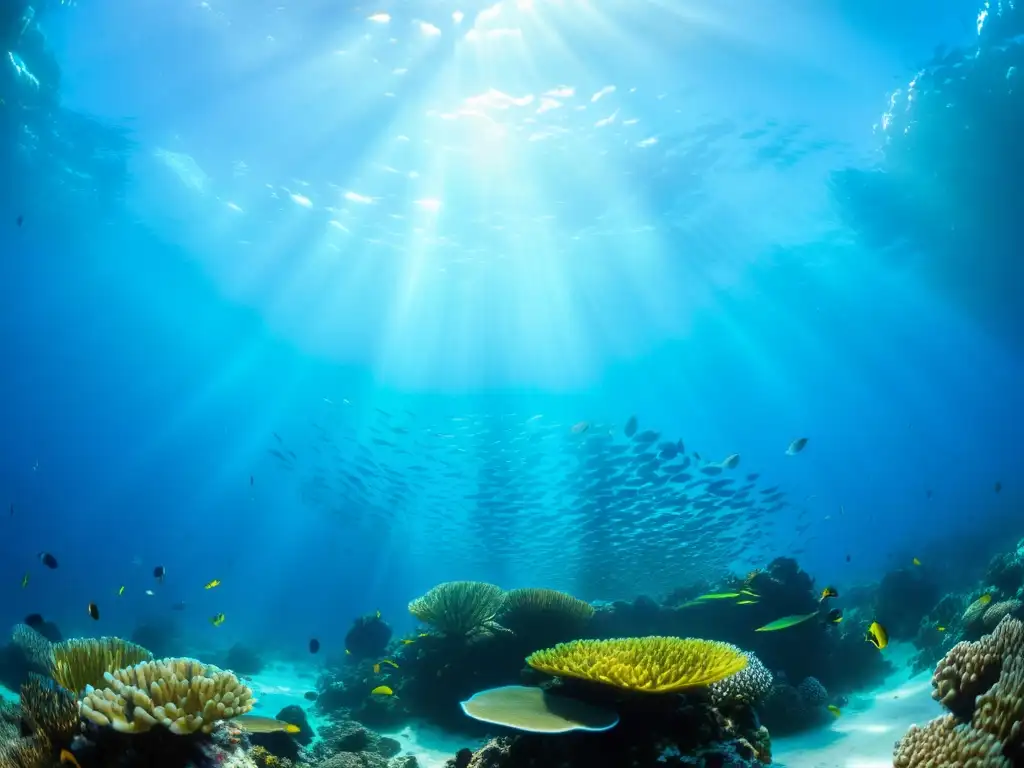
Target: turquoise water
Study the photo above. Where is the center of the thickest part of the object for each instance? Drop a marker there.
(333, 302)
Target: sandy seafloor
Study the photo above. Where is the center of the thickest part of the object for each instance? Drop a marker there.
(862, 737)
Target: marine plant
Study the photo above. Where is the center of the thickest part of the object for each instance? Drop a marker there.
(82, 662)
(182, 695)
(981, 683)
(460, 608)
(648, 664)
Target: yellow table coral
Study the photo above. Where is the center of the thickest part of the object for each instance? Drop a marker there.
(182, 695)
(649, 664)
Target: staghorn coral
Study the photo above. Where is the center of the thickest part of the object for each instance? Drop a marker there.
(530, 604)
(460, 608)
(943, 742)
(82, 662)
(181, 694)
(50, 709)
(971, 668)
(650, 664)
(748, 686)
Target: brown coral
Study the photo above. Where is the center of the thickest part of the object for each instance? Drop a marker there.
(997, 611)
(943, 742)
(970, 669)
(1000, 711)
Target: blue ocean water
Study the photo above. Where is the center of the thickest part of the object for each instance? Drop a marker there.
(333, 302)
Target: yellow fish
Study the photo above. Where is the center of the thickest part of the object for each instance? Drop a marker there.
(719, 596)
(389, 661)
(212, 584)
(423, 634)
(217, 620)
(786, 622)
(120, 591)
(916, 561)
(940, 629)
(24, 580)
(749, 593)
(67, 757)
(376, 668)
(382, 690)
(828, 592)
(348, 652)
(747, 602)
(407, 641)
(985, 599)
(834, 710)
(257, 724)
(378, 614)
(877, 636)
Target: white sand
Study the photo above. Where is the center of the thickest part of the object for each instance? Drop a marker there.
(863, 737)
(431, 746)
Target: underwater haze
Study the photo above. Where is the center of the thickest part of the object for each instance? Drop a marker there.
(331, 302)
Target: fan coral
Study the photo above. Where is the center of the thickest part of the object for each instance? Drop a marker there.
(180, 694)
(748, 686)
(944, 742)
(79, 663)
(460, 608)
(543, 605)
(49, 709)
(651, 664)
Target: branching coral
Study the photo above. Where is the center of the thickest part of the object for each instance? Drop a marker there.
(83, 662)
(650, 664)
(181, 694)
(460, 608)
(748, 686)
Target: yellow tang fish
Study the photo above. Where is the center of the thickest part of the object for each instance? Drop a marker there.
(828, 592)
(212, 584)
(916, 561)
(407, 641)
(382, 690)
(376, 668)
(940, 629)
(120, 591)
(786, 622)
(423, 634)
(834, 710)
(877, 636)
(217, 620)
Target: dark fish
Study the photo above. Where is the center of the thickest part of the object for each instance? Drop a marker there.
(834, 616)
(251, 480)
(159, 572)
(314, 645)
(20, 219)
(796, 446)
(998, 486)
(928, 494)
(48, 560)
(34, 620)
(94, 611)
(847, 558)
(311, 695)
(631, 425)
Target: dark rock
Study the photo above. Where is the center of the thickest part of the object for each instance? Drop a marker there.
(243, 660)
(461, 759)
(368, 637)
(296, 715)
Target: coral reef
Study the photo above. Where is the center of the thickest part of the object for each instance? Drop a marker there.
(368, 637)
(286, 746)
(544, 613)
(789, 709)
(903, 598)
(748, 686)
(181, 694)
(981, 683)
(83, 662)
(465, 609)
(651, 664)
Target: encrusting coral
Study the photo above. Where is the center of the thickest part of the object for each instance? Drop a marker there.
(748, 686)
(982, 684)
(181, 694)
(460, 608)
(649, 664)
(82, 662)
